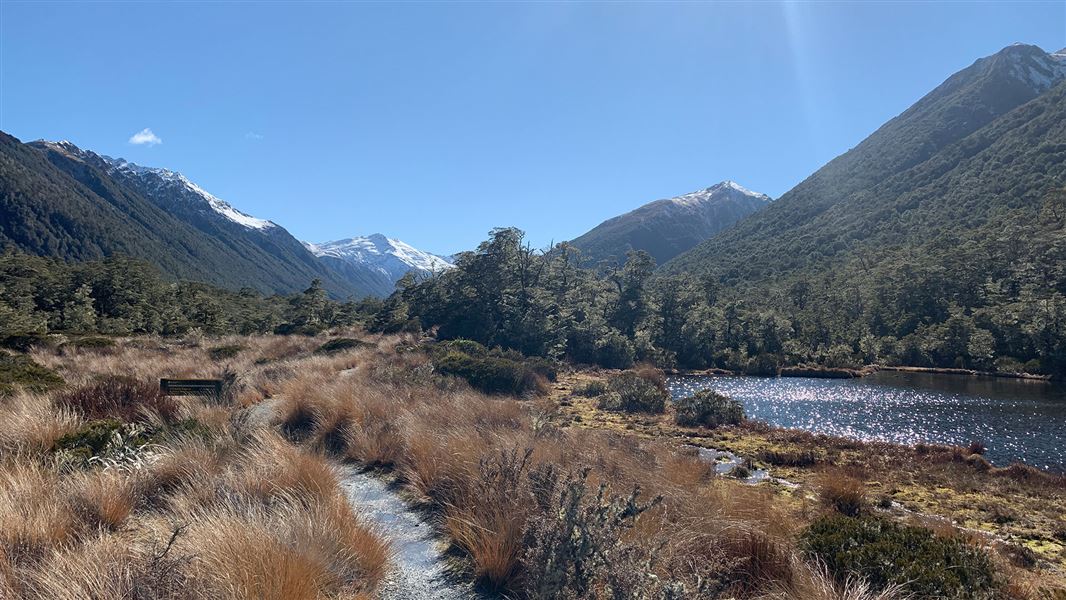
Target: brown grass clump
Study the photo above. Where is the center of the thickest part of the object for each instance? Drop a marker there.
(120, 398)
(842, 493)
(103, 499)
(31, 424)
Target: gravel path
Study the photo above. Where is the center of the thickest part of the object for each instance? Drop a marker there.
(419, 569)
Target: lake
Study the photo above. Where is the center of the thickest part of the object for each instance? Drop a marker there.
(1018, 420)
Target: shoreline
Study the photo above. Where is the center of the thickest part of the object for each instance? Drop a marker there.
(818, 372)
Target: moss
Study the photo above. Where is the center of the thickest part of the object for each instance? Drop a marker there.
(225, 351)
(19, 371)
(884, 553)
(340, 345)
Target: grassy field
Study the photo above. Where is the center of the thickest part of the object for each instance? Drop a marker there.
(111, 490)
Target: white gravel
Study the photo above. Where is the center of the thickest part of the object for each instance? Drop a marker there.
(419, 569)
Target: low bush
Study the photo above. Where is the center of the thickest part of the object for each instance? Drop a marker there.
(490, 374)
(792, 457)
(225, 351)
(591, 389)
(340, 345)
(26, 341)
(121, 398)
(19, 371)
(97, 343)
(707, 408)
(843, 494)
(885, 553)
(636, 392)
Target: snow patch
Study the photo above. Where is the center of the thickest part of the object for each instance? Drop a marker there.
(392, 257)
(716, 192)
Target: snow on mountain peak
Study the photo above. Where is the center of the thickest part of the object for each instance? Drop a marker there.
(166, 176)
(1041, 70)
(715, 192)
(392, 257)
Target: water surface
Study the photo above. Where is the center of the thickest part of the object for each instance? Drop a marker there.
(1018, 420)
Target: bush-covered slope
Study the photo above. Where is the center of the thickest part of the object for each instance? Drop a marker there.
(666, 228)
(890, 189)
(66, 204)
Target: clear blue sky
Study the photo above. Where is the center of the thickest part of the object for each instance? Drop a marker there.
(435, 122)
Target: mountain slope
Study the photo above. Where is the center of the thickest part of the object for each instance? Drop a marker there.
(58, 200)
(388, 259)
(666, 228)
(930, 169)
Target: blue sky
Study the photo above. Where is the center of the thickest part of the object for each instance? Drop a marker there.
(434, 122)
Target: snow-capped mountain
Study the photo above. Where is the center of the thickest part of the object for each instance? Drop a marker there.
(666, 228)
(157, 182)
(391, 258)
(162, 216)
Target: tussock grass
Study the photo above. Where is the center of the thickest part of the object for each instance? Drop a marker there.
(216, 506)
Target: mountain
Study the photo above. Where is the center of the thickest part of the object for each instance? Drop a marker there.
(973, 158)
(388, 259)
(59, 200)
(666, 228)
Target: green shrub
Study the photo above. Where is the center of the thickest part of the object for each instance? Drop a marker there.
(24, 342)
(591, 389)
(469, 347)
(707, 408)
(491, 374)
(635, 393)
(884, 552)
(17, 370)
(91, 343)
(121, 398)
(340, 345)
(225, 351)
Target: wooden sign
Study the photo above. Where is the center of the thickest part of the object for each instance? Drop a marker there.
(191, 387)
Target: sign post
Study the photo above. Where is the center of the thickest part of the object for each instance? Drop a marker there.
(192, 387)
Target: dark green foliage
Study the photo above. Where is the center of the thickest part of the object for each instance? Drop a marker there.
(225, 351)
(490, 374)
(66, 203)
(340, 345)
(93, 343)
(122, 398)
(124, 296)
(100, 437)
(592, 389)
(707, 408)
(635, 393)
(884, 552)
(937, 241)
(19, 371)
(91, 439)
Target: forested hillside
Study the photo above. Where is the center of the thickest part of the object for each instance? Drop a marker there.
(666, 228)
(57, 200)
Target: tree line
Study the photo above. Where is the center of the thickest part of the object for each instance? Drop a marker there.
(546, 303)
(123, 296)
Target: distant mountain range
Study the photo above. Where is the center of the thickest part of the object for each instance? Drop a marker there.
(385, 258)
(59, 200)
(973, 159)
(666, 228)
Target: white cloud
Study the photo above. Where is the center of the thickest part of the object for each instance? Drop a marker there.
(145, 136)
(251, 135)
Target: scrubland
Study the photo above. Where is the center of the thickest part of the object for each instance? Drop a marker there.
(110, 490)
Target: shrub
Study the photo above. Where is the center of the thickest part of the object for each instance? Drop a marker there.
(120, 398)
(796, 457)
(708, 408)
(340, 345)
(635, 392)
(26, 341)
(884, 553)
(17, 370)
(490, 374)
(576, 543)
(843, 494)
(225, 351)
(591, 389)
(92, 343)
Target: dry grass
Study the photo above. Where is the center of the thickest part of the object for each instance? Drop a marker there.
(231, 510)
(254, 510)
